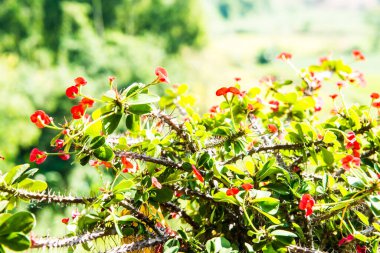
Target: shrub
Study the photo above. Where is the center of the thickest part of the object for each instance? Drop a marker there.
(260, 172)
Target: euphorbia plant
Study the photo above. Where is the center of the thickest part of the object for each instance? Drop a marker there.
(258, 173)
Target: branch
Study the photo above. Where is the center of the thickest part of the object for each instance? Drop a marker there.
(137, 156)
(298, 249)
(220, 141)
(138, 245)
(174, 208)
(71, 241)
(46, 197)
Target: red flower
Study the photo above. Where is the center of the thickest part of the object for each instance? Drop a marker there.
(88, 102)
(59, 144)
(237, 79)
(333, 96)
(222, 91)
(111, 79)
(306, 203)
(247, 186)
(284, 56)
(347, 239)
(272, 128)
(358, 55)
(155, 183)
(323, 59)
(234, 90)
(65, 220)
(78, 111)
(360, 249)
(376, 104)
(317, 108)
(178, 194)
(340, 85)
(72, 92)
(214, 109)
(348, 160)
(250, 107)
(80, 81)
(375, 95)
(232, 191)
(197, 174)
(37, 156)
(162, 75)
(64, 156)
(40, 118)
(275, 105)
(127, 164)
(174, 215)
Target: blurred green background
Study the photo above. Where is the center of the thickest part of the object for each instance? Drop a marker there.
(45, 44)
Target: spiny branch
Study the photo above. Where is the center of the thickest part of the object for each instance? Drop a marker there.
(139, 245)
(137, 156)
(298, 249)
(220, 141)
(46, 196)
(72, 240)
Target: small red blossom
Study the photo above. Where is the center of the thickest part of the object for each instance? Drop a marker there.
(274, 105)
(345, 240)
(272, 128)
(284, 56)
(376, 104)
(232, 191)
(234, 90)
(80, 81)
(64, 156)
(78, 111)
(222, 91)
(87, 102)
(197, 174)
(350, 160)
(323, 59)
(127, 164)
(340, 85)
(375, 95)
(155, 183)
(178, 194)
(162, 75)
(59, 144)
(358, 55)
(250, 107)
(72, 92)
(214, 109)
(65, 220)
(333, 96)
(317, 109)
(237, 79)
(306, 203)
(40, 118)
(37, 156)
(174, 215)
(247, 186)
(111, 79)
(361, 249)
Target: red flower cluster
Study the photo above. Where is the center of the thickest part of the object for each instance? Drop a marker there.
(358, 55)
(37, 156)
(162, 75)
(275, 105)
(232, 191)
(306, 203)
(197, 174)
(224, 90)
(78, 110)
(353, 144)
(40, 118)
(375, 95)
(73, 91)
(247, 186)
(348, 160)
(345, 240)
(284, 56)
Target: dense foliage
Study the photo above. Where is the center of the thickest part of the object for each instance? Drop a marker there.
(260, 172)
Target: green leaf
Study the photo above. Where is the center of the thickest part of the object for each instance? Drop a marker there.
(110, 123)
(18, 222)
(329, 137)
(172, 246)
(128, 218)
(104, 153)
(163, 195)
(97, 142)
(143, 98)
(234, 169)
(32, 185)
(222, 197)
(140, 109)
(374, 205)
(362, 217)
(3, 204)
(15, 241)
(109, 96)
(124, 185)
(355, 182)
(83, 161)
(304, 103)
(327, 156)
(132, 122)
(268, 204)
(15, 173)
(361, 237)
(285, 233)
(270, 217)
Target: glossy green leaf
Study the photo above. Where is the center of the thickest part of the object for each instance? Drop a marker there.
(110, 123)
(19, 222)
(140, 109)
(15, 173)
(143, 98)
(32, 185)
(172, 246)
(97, 142)
(104, 153)
(15, 241)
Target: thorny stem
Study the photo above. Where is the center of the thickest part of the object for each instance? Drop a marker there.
(139, 245)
